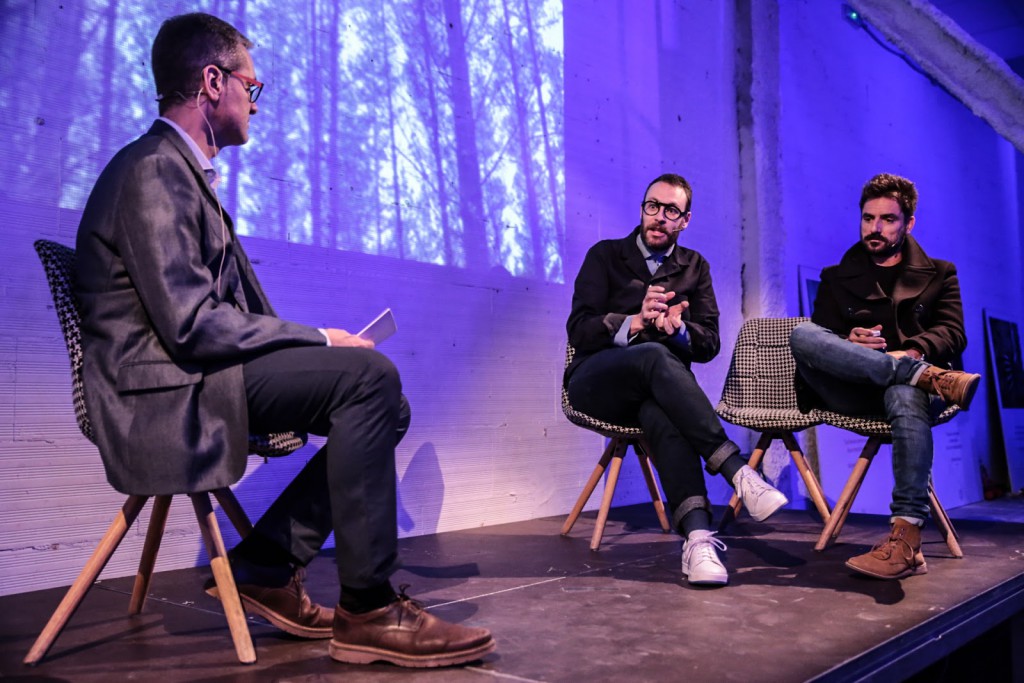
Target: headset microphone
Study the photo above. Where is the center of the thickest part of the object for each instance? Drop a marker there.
(220, 209)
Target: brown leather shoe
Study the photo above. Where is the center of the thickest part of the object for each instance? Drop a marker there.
(287, 607)
(405, 634)
(952, 386)
(896, 557)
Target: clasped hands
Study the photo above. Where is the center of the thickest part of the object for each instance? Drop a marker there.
(871, 337)
(655, 311)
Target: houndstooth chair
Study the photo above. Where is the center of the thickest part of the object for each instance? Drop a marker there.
(759, 394)
(877, 430)
(620, 437)
(59, 264)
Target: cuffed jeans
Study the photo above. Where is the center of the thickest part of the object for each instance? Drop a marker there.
(352, 396)
(854, 380)
(647, 386)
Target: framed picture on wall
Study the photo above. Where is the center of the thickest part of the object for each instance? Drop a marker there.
(810, 278)
(1006, 368)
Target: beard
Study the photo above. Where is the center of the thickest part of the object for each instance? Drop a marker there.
(876, 245)
(666, 237)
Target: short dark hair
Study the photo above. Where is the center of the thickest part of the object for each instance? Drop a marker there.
(184, 45)
(678, 181)
(894, 187)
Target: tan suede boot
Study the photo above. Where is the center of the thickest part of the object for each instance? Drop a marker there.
(897, 556)
(952, 386)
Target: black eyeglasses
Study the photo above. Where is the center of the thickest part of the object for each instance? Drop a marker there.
(252, 86)
(672, 212)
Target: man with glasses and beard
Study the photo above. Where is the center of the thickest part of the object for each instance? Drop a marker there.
(887, 319)
(643, 310)
(184, 354)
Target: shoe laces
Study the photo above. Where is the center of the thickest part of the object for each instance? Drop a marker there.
(408, 603)
(886, 548)
(703, 548)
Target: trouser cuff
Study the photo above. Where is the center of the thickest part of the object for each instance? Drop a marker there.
(687, 506)
(916, 521)
(721, 454)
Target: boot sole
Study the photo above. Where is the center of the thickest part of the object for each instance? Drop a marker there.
(355, 654)
(972, 388)
(279, 621)
(909, 571)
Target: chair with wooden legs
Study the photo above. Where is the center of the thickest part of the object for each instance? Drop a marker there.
(878, 432)
(619, 439)
(58, 261)
(759, 394)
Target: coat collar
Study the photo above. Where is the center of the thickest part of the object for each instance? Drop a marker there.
(161, 129)
(679, 259)
(855, 273)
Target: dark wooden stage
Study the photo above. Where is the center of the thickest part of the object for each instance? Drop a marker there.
(563, 613)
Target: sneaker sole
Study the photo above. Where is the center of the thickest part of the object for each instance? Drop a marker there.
(279, 621)
(354, 654)
(909, 571)
(706, 581)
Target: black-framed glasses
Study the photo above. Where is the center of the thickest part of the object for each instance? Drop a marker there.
(252, 86)
(672, 212)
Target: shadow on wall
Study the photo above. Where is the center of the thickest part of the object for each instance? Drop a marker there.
(423, 485)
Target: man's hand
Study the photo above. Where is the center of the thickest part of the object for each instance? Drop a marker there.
(655, 304)
(343, 338)
(671, 321)
(870, 337)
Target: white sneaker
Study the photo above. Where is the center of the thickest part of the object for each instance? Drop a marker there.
(761, 499)
(700, 561)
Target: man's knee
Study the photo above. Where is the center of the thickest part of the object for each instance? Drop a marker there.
(653, 357)
(380, 372)
(804, 337)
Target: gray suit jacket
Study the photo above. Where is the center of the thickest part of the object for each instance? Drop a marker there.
(170, 310)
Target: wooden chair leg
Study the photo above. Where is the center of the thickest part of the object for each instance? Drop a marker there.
(842, 508)
(591, 484)
(154, 534)
(233, 510)
(78, 590)
(609, 493)
(735, 503)
(222, 575)
(944, 524)
(642, 450)
(810, 480)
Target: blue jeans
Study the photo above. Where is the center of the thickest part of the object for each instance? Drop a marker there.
(854, 380)
(646, 385)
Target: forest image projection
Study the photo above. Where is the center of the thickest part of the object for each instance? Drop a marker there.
(427, 130)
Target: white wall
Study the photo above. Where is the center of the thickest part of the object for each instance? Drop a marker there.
(648, 89)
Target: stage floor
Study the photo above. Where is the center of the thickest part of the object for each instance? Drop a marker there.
(563, 613)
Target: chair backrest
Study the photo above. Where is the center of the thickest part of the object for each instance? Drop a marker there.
(759, 390)
(592, 423)
(59, 264)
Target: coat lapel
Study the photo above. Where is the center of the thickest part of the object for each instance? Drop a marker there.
(634, 260)
(917, 273)
(230, 286)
